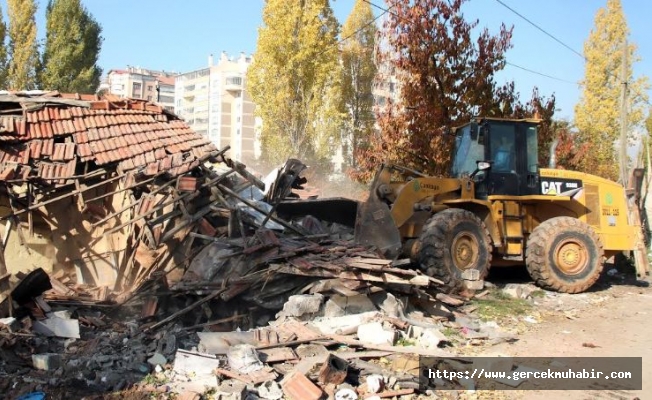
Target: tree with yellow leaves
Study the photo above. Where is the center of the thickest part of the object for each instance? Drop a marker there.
(358, 73)
(294, 79)
(23, 48)
(597, 115)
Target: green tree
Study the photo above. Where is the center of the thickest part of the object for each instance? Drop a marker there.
(444, 73)
(72, 47)
(3, 53)
(23, 49)
(597, 114)
(358, 73)
(294, 79)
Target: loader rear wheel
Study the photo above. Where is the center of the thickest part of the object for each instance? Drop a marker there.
(565, 255)
(454, 241)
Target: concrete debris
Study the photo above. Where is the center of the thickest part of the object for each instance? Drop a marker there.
(46, 362)
(270, 390)
(375, 383)
(431, 338)
(244, 359)
(346, 393)
(157, 359)
(59, 327)
(305, 305)
(231, 390)
(9, 323)
(375, 333)
(221, 342)
(519, 291)
(338, 305)
(195, 364)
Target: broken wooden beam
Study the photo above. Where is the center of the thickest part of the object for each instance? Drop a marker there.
(191, 307)
(63, 196)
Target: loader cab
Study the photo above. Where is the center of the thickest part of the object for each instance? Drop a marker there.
(510, 148)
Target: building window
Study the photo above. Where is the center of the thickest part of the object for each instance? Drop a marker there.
(149, 98)
(234, 80)
(149, 88)
(135, 89)
(237, 131)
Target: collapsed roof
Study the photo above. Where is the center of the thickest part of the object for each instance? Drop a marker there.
(53, 137)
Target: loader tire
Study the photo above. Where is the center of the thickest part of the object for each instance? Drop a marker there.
(453, 241)
(564, 254)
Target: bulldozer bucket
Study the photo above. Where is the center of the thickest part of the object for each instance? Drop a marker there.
(374, 225)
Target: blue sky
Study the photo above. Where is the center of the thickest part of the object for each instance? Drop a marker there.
(179, 36)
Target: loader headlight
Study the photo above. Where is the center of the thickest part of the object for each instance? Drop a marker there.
(483, 165)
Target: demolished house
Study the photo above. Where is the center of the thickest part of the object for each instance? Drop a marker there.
(82, 180)
(125, 231)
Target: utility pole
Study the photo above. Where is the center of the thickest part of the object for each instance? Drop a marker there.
(623, 119)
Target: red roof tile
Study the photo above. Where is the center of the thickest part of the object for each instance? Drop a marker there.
(133, 132)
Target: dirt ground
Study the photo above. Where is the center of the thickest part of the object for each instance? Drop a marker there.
(614, 319)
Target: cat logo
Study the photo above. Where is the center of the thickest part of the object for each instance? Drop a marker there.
(560, 186)
(551, 188)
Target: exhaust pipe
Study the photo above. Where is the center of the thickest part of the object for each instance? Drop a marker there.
(553, 158)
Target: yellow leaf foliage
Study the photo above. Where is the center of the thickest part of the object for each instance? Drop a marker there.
(597, 115)
(23, 48)
(294, 79)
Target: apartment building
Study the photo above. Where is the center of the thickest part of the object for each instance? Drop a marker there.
(214, 102)
(140, 83)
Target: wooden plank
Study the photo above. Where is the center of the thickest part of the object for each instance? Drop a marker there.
(5, 236)
(420, 280)
(188, 196)
(390, 393)
(60, 288)
(50, 201)
(191, 307)
(116, 213)
(372, 261)
(450, 300)
(127, 188)
(352, 355)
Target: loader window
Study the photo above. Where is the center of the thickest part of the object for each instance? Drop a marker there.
(532, 150)
(467, 152)
(502, 148)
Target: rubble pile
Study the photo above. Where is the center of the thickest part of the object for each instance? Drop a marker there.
(178, 270)
(324, 341)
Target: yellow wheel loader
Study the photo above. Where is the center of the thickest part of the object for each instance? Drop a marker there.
(498, 208)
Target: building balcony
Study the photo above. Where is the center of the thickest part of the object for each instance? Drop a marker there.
(233, 83)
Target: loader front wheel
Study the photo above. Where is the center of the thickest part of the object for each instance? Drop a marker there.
(565, 255)
(454, 241)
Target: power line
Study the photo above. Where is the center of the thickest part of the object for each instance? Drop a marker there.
(541, 29)
(360, 29)
(540, 73)
(365, 25)
(385, 10)
(507, 62)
